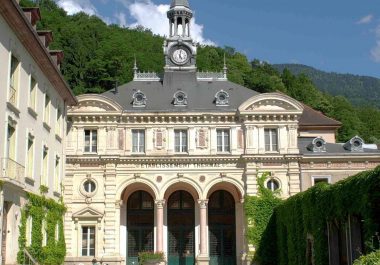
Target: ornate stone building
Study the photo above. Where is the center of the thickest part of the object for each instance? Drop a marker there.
(33, 105)
(163, 163)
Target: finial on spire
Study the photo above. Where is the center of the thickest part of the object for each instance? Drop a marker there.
(225, 69)
(135, 69)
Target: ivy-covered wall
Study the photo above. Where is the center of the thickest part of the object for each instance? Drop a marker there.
(47, 211)
(307, 214)
(259, 210)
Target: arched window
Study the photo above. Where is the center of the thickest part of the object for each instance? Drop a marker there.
(180, 98)
(139, 99)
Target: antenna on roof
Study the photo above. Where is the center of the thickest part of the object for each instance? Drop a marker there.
(225, 69)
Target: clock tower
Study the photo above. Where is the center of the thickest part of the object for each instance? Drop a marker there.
(179, 49)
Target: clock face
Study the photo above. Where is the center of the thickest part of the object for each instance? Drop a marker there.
(180, 56)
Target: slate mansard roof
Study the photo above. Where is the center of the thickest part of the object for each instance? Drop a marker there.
(332, 149)
(200, 95)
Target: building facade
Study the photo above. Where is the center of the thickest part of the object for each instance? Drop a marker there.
(33, 106)
(163, 163)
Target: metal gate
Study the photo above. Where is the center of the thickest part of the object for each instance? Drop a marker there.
(140, 225)
(222, 239)
(181, 229)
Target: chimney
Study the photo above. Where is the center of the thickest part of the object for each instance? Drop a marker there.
(46, 36)
(32, 14)
(57, 56)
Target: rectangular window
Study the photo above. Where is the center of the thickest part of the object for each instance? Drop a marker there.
(33, 92)
(59, 122)
(223, 140)
(138, 141)
(13, 80)
(57, 174)
(320, 179)
(30, 159)
(88, 241)
(180, 141)
(47, 109)
(45, 158)
(91, 141)
(11, 143)
(271, 140)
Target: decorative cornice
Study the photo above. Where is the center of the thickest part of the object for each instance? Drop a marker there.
(14, 16)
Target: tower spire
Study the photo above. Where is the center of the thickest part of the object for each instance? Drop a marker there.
(135, 69)
(225, 69)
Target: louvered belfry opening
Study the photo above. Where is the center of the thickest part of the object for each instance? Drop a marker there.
(221, 221)
(140, 225)
(180, 228)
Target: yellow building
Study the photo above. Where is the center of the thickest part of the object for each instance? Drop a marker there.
(163, 163)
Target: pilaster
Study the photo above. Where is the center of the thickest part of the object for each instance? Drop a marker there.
(110, 211)
(213, 140)
(261, 139)
(294, 178)
(251, 178)
(283, 139)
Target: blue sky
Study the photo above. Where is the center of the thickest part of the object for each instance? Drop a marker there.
(331, 35)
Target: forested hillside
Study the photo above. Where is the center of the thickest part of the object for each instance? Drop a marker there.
(360, 90)
(99, 56)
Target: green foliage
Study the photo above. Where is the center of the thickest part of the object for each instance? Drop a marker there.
(360, 90)
(99, 56)
(150, 256)
(43, 210)
(307, 213)
(370, 259)
(44, 189)
(259, 210)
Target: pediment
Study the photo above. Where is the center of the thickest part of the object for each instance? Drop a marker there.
(88, 212)
(271, 102)
(95, 103)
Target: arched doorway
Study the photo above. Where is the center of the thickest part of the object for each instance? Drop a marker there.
(221, 222)
(140, 225)
(180, 218)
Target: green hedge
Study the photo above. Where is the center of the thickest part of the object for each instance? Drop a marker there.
(370, 259)
(42, 210)
(307, 213)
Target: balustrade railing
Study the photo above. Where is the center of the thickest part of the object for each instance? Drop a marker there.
(12, 170)
(12, 95)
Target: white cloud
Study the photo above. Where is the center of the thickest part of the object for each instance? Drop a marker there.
(152, 16)
(142, 12)
(76, 6)
(365, 20)
(121, 19)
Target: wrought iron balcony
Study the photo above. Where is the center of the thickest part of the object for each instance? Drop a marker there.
(12, 171)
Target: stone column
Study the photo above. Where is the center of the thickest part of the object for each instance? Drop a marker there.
(160, 225)
(203, 257)
(203, 226)
(183, 27)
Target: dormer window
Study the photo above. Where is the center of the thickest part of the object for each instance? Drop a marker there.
(221, 98)
(139, 99)
(180, 99)
(317, 145)
(355, 144)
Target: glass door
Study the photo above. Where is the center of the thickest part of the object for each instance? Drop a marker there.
(181, 229)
